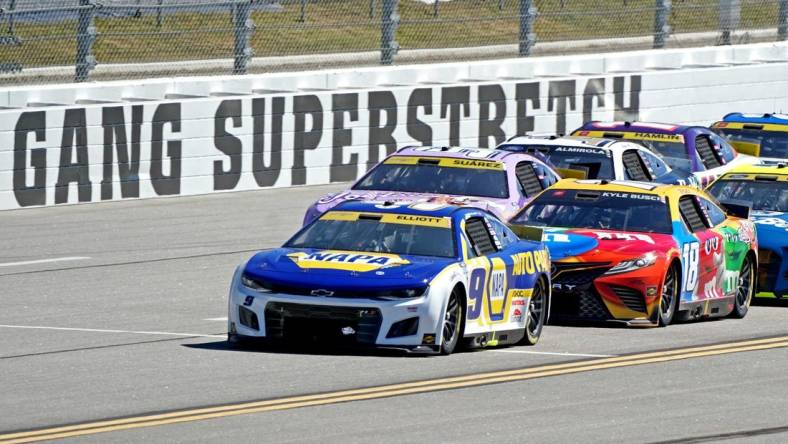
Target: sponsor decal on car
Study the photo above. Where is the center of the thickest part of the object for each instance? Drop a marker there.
(450, 162)
(388, 218)
(346, 260)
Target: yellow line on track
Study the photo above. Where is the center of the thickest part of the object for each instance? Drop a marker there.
(384, 391)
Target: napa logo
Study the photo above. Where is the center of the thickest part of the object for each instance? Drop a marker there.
(346, 260)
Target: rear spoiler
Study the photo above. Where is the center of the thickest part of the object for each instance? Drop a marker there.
(569, 173)
(526, 232)
(737, 208)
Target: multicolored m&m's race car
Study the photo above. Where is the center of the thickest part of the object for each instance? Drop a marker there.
(692, 149)
(498, 181)
(765, 189)
(422, 278)
(764, 135)
(642, 254)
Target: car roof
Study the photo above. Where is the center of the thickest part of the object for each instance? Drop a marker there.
(428, 209)
(640, 127)
(486, 154)
(625, 186)
(769, 168)
(778, 119)
(575, 141)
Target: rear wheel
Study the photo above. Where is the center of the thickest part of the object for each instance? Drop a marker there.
(537, 312)
(745, 289)
(669, 300)
(452, 323)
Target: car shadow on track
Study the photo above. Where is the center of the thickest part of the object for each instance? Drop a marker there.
(768, 302)
(300, 349)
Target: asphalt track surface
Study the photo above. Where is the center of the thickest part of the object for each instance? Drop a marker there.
(114, 312)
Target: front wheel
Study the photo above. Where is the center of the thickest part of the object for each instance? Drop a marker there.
(537, 312)
(669, 300)
(745, 289)
(452, 323)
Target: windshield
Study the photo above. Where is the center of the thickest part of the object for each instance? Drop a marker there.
(437, 176)
(762, 195)
(594, 163)
(388, 233)
(673, 153)
(773, 143)
(600, 210)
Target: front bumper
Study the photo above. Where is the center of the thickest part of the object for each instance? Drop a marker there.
(407, 324)
(583, 293)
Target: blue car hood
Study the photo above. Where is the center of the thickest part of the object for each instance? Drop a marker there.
(563, 244)
(344, 270)
(771, 228)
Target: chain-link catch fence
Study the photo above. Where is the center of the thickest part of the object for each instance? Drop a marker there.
(79, 40)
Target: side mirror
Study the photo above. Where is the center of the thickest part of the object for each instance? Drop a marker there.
(737, 208)
(742, 147)
(527, 233)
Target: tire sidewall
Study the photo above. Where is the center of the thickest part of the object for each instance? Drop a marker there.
(448, 348)
(740, 311)
(528, 337)
(667, 319)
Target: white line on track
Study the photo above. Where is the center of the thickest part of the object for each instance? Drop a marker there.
(216, 319)
(98, 330)
(584, 355)
(44, 261)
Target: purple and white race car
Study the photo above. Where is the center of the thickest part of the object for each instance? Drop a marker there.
(688, 149)
(501, 182)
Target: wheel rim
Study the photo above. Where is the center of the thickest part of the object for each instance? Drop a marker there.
(668, 293)
(745, 280)
(535, 308)
(450, 322)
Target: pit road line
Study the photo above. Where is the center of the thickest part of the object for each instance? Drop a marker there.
(415, 387)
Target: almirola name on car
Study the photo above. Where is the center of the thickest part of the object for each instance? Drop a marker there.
(593, 158)
(419, 277)
(498, 181)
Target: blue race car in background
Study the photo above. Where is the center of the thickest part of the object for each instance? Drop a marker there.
(765, 188)
(418, 277)
(764, 135)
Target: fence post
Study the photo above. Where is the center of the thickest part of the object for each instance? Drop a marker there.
(371, 8)
(244, 27)
(528, 14)
(730, 13)
(86, 36)
(11, 8)
(389, 19)
(782, 21)
(158, 14)
(661, 23)
(303, 11)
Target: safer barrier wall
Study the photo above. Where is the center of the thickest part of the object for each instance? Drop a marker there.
(54, 155)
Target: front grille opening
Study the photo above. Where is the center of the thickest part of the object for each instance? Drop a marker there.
(632, 298)
(370, 216)
(587, 196)
(322, 323)
(407, 327)
(248, 318)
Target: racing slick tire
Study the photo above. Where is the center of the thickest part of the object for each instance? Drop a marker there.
(537, 312)
(669, 300)
(745, 290)
(452, 323)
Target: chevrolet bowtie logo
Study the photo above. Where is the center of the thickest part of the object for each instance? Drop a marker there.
(321, 292)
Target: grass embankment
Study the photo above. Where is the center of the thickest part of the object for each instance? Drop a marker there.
(345, 26)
